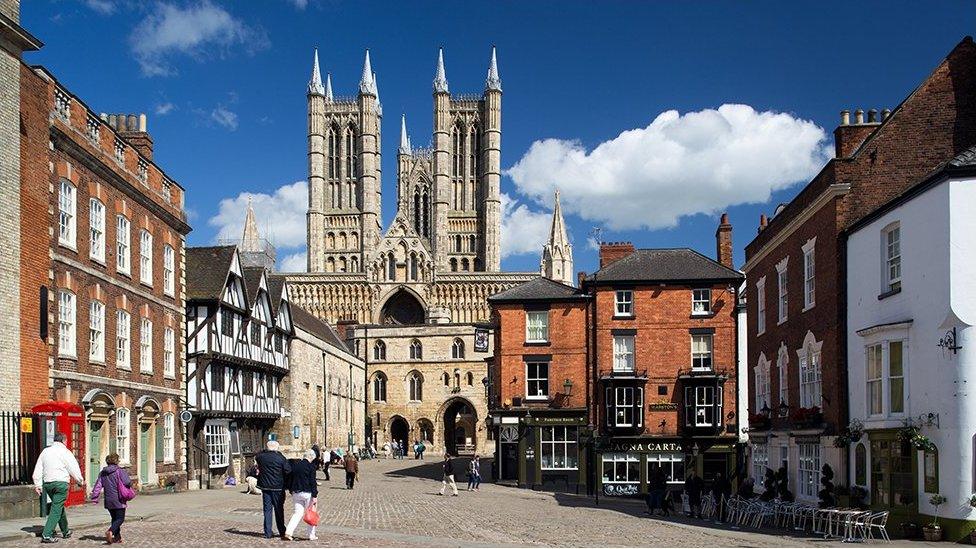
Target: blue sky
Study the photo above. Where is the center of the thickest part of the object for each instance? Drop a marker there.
(585, 85)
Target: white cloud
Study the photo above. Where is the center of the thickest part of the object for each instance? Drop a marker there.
(299, 4)
(280, 216)
(679, 165)
(104, 7)
(197, 30)
(222, 116)
(294, 263)
(524, 231)
(163, 109)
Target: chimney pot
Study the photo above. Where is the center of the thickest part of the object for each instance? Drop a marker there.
(142, 122)
(112, 121)
(723, 242)
(763, 221)
(885, 114)
(130, 123)
(845, 117)
(873, 116)
(859, 116)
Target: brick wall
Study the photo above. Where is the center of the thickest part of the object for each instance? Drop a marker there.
(10, 227)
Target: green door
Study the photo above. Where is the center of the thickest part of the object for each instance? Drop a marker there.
(94, 450)
(144, 450)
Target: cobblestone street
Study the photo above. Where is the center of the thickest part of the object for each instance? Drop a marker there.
(396, 504)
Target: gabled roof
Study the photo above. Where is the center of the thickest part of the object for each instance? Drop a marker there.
(276, 288)
(311, 324)
(252, 282)
(664, 265)
(538, 289)
(206, 271)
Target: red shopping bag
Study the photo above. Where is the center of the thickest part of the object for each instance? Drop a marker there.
(311, 516)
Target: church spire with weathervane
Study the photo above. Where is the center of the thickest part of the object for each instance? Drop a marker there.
(557, 254)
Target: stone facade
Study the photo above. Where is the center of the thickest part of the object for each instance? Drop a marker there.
(89, 175)
(449, 410)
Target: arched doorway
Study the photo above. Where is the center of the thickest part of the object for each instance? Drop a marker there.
(399, 430)
(403, 307)
(460, 420)
(425, 431)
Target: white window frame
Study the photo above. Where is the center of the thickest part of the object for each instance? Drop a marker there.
(145, 345)
(169, 352)
(667, 461)
(536, 326)
(760, 462)
(782, 291)
(67, 214)
(891, 254)
(763, 384)
(169, 270)
(145, 257)
(698, 356)
(701, 302)
(808, 469)
(621, 459)
(623, 303)
(67, 324)
(96, 228)
(703, 398)
(623, 353)
(568, 446)
(169, 438)
(123, 339)
(809, 274)
(625, 406)
(216, 436)
(783, 371)
(874, 378)
(761, 306)
(123, 245)
(885, 383)
(96, 332)
(811, 372)
(123, 434)
(536, 380)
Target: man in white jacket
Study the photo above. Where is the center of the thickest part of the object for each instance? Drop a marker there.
(56, 466)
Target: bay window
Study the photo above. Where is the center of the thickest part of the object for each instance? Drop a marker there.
(885, 378)
(624, 406)
(703, 406)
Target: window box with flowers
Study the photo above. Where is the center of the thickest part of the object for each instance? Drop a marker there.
(807, 417)
(759, 422)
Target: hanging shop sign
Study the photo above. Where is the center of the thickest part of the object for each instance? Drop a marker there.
(480, 340)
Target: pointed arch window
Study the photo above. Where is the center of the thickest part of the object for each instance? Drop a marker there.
(457, 348)
(447, 380)
(333, 154)
(457, 149)
(379, 350)
(350, 148)
(470, 377)
(414, 270)
(390, 266)
(472, 151)
(379, 387)
(416, 350)
(417, 215)
(355, 265)
(416, 386)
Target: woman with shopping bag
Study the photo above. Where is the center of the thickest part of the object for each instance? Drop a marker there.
(116, 485)
(304, 494)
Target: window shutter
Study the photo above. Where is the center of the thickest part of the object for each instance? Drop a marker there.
(158, 430)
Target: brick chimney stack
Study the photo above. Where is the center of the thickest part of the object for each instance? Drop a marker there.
(612, 251)
(132, 128)
(723, 242)
(848, 137)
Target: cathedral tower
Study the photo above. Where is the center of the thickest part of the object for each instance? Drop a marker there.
(344, 182)
(557, 255)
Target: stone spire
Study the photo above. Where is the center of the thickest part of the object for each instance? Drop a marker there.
(315, 84)
(251, 239)
(493, 82)
(440, 79)
(254, 250)
(376, 92)
(404, 139)
(557, 254)
(328, 86)
(366, 82)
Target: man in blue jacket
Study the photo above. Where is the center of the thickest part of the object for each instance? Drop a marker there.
(273, 469)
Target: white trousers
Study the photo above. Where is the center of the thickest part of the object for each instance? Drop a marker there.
(448, 480)
(302, 501)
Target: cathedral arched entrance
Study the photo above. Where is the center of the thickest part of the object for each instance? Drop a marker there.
(459, 427)
(399, 430)
(402, 307)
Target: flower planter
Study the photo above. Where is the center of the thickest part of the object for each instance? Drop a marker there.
(932, 533)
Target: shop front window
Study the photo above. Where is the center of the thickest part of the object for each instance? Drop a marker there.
(892, 477)
(673, 466)
(559, 448)
(621, 474)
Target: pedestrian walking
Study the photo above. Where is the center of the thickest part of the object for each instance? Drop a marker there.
(304, 493)
(656, 487)
(352, 470)
(109, 480)
(474, 473)
(273, 469)
(721, 490)
(694, 486)
(416, 449)
(423, 447)
(403, 449)
(448, 479)
(56, 465)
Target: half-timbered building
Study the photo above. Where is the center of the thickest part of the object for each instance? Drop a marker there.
(239, 330)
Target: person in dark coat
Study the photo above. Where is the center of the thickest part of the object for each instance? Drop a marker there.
(304, 492)
(351, 465)
(657, 483)
(721, 490)
(694, 486)
(273, 469)
(108, 484)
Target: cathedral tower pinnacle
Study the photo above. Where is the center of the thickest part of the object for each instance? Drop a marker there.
(328, 87)
(315, 83)
(440, 78)
(557, 254)
(366, 86)
(404, 138)
(493, 82)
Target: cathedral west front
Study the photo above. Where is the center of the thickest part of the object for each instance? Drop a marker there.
(413, 298)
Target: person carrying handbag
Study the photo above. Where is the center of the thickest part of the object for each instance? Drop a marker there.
(115, 483)
(304, 494)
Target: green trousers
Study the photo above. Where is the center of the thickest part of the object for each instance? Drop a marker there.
(58, 492)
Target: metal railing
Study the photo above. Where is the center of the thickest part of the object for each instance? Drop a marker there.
(20, 445)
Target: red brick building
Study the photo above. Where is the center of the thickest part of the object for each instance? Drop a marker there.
(103, 229)
(796, 272)
(634, 369)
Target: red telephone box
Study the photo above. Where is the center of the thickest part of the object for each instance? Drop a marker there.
(67, 418)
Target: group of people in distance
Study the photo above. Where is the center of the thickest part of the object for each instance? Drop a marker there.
(474, 475)
(397, 449)
(661, 501)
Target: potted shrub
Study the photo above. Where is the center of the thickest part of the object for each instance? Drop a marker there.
(826, 494)
(972, 503)
(859, 496)
(932, 530)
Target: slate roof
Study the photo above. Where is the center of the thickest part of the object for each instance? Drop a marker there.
(964, 159)
(664, 265)
(311, 324)
(206, 271)
(252, 282)
(541, 289)
(276, 283)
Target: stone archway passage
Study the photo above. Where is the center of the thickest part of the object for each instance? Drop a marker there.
(460, 420)
(399, 430)
(402, 308)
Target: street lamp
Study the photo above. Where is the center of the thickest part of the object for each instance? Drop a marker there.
(568, 387)
(784, 408)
